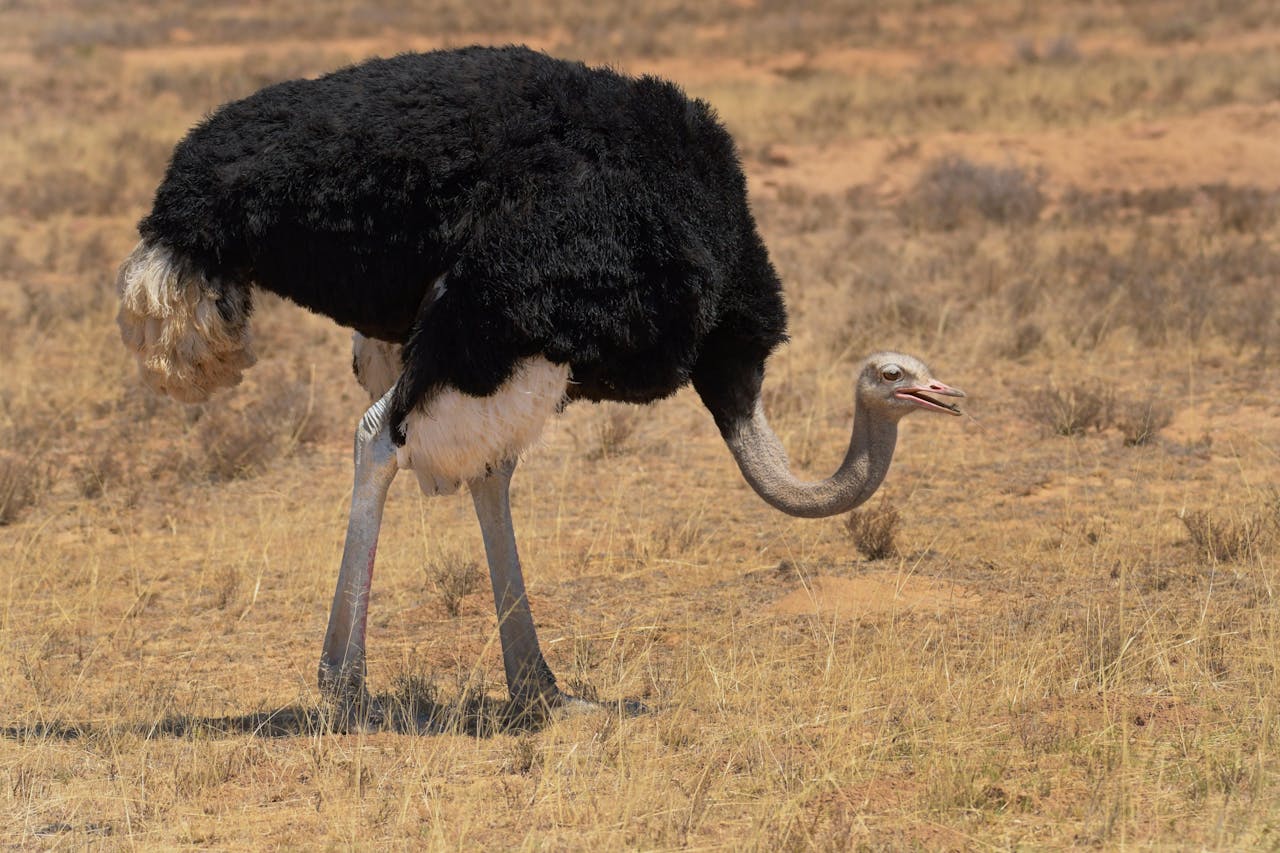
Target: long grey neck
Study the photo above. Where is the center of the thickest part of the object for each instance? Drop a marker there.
(763, 462)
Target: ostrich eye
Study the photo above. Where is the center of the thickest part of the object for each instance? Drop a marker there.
(891, 373)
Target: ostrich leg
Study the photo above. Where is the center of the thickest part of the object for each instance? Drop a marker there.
(342, 660)
(529, 679)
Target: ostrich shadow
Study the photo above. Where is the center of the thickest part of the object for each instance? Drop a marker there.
(472, 715)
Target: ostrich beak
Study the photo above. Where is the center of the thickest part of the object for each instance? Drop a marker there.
(919, 394)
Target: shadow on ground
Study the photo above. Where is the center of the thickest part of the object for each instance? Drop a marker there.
(477, 716)
(399, 713)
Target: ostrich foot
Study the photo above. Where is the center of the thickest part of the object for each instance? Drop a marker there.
(569, 705)
(557, 703)
(347, 702)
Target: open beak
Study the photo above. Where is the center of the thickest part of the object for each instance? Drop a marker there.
(923, 396)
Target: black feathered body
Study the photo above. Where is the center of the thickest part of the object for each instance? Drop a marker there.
(547, 208)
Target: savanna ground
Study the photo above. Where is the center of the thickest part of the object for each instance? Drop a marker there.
(1057, 625)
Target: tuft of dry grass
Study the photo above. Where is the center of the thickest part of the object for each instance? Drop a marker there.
(277, 417)
(98, 474)
(25, 470)
(1231, 207)
(1073, 409)
(1059, 50)
(1139, 421)
(1247, 210)
(1165, 283)
(226, 587)
(413, 702)
(1173, 27)
(613, 430)
(453, 577)
(1022, 341)
(22, 481)
(874, 531)
(1222, 539)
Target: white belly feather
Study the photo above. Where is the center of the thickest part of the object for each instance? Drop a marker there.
(458, 437)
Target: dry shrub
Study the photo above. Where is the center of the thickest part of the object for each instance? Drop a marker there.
(1164, 285)
(1243, 209)
(1107, 641)
(453, 577)
(240, 442)
(236, 443)
(71, 35)
(12, 262)
(99, 473)
(954, 191)
(65, 191)
(681, 537)
(1161, 28)
(790, 396)
(1158, 201)
(523, 757)
(21, 483)
(1248, 210)
(1073, 410)
(1140, 421)
(42, 307)
(613, 430)
(1084, 207)
(25, 467)
(1223, 540)
(226, 587)
(105, 464)
(910, 315)
(93, 258)
(1022, 341)
(802, 212)
(1060, 50)
(874, 531)
(586, 659)
(235, 79)
(414, 699)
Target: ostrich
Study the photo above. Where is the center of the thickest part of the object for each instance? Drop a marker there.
(504, 233)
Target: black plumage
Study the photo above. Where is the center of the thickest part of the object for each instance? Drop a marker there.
(576, 213)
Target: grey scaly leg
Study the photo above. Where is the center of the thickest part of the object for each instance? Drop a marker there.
(342, 660)
(529, 679)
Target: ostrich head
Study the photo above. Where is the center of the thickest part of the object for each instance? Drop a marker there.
(892, 385)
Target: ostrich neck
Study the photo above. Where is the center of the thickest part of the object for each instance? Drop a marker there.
(763, 462)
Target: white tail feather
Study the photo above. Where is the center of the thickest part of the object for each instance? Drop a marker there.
(171, 320)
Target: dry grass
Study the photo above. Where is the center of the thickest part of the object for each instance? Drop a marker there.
(1057, 656)
(452, 577)
(874, 531)
(1074, 409)
(238, 443)
(954, 191)
(1227, 538)
(1140, 421)
(21, 482)
(613, 430)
